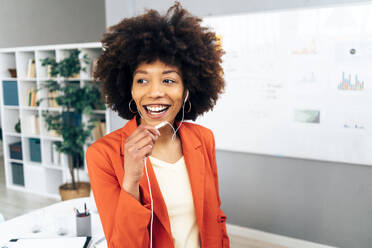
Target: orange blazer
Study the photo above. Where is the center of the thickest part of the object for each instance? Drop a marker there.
(126, 221)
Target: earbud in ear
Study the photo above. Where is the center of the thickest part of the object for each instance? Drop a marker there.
(187, 95)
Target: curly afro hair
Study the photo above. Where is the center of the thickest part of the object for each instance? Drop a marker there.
(176, 38)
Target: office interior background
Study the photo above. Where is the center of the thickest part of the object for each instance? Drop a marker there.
(317, 201)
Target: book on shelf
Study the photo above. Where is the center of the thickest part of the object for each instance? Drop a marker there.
(31, 68)
(51, 97)
(31, 97)
(53, 133)
(99, 130)
(34, 122)
(103, 127)
(96, 132)
(94, 66)
(34, 98)
(49, 71)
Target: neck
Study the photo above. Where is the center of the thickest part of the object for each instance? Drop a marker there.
(166, 135)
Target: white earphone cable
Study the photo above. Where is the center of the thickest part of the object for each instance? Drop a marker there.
(152, 204)
(147, 174)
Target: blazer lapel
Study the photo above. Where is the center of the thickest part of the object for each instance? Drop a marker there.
(193, 155)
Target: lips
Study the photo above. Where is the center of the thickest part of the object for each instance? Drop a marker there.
(156, 111)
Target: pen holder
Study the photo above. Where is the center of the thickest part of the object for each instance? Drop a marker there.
(83, 225)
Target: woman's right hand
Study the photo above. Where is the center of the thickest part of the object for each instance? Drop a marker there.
(137, 146)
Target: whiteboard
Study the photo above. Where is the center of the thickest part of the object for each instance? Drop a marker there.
(298, 84)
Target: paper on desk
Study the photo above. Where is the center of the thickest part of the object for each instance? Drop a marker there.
(99, 243)
(71, 242)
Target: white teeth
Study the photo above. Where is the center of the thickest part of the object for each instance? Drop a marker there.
(157, 108)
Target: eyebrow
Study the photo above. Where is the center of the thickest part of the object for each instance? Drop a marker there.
(164, 72)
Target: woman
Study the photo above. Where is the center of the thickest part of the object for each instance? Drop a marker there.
(159, 69)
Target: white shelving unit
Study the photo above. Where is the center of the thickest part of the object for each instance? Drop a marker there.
(39, 177)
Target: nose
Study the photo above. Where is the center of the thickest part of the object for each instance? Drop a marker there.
(156, 89)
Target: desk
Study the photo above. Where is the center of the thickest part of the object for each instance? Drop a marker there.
(49, 218)
(21, 227)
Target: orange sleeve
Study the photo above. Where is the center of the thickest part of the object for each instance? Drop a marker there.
(221, 216)
(124, 219)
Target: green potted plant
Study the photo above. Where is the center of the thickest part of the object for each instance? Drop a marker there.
(74, 101)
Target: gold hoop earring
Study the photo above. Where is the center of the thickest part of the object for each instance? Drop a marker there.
(188, 111)
(130, 107)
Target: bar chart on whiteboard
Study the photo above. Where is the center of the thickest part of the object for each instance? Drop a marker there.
(298, 83)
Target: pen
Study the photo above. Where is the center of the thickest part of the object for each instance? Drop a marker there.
(76, 211)
(85, 208)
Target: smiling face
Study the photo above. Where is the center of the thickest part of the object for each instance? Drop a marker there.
(158, 92)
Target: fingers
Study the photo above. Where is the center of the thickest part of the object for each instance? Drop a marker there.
(146, 140)
(144, 134)
(153, 130)
(139, 155)
(140, 132)
(148, 127)
(141, 141)
(145, 151)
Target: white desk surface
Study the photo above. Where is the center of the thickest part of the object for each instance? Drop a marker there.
(49, 218)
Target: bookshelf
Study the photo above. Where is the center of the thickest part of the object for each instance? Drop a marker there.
(31, 162)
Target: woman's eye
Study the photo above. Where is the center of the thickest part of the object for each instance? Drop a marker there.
(141, 81)
(168, 81)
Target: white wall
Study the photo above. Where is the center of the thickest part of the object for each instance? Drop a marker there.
(43, 22)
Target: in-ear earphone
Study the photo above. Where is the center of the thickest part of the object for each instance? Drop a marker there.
(187, 95)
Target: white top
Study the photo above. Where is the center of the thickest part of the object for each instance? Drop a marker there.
(174, 183)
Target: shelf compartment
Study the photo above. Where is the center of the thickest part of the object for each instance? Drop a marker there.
(64, 53)
(12, 118)
(53, 181)
(49, 134)
(35, 178)
(43, 71)
(100, 129)
(50, 154)
(93, 54)
(32, 151)
(30, 122)
(7, 61)
(98, 108)
(28, 93)
(44, 93)
(26, 65)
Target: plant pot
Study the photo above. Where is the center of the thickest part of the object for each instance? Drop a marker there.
(67, 193)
